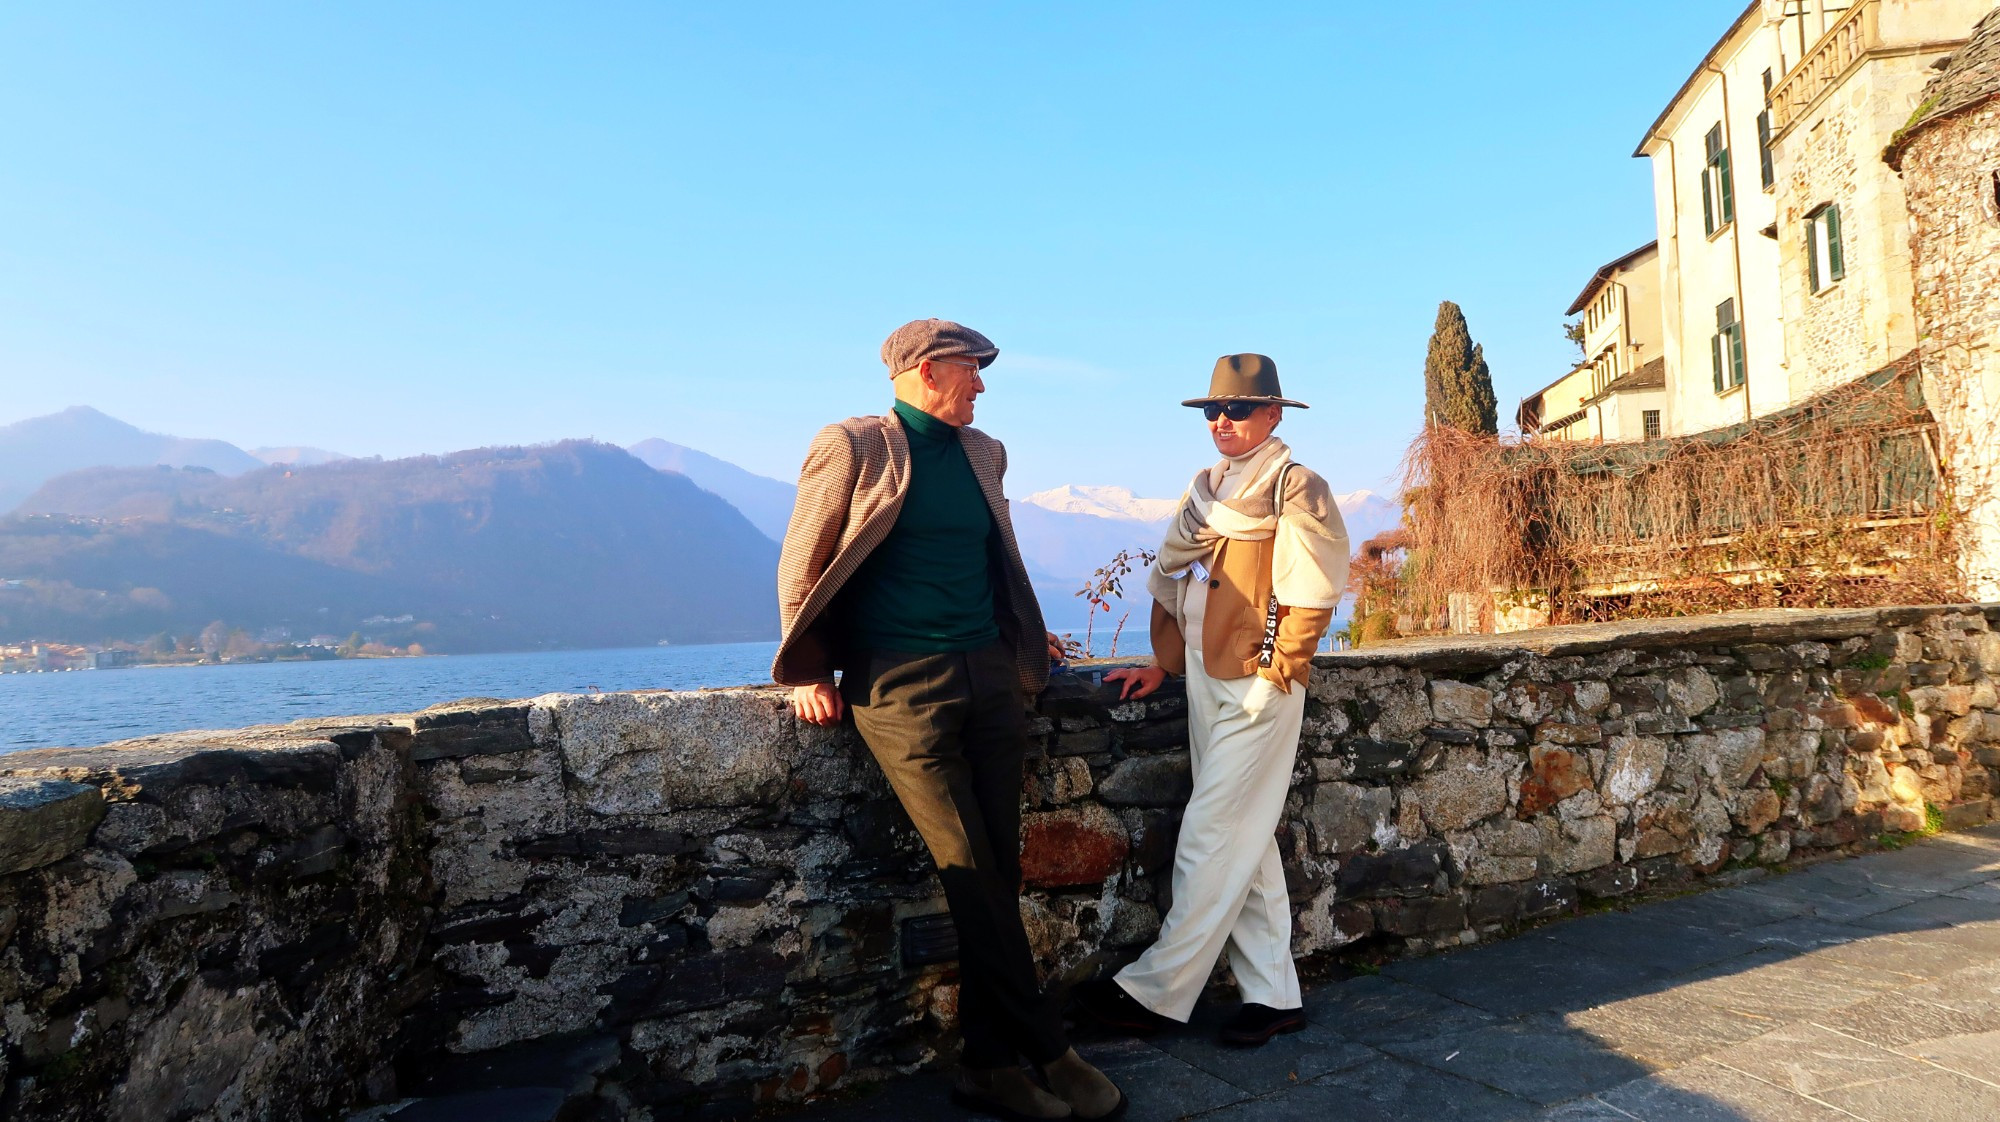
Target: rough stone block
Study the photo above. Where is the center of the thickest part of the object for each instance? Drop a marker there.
(1411, 918)
(476, 727)
(1580, 845)
(1080, 845)
(1466, 787)
(1155, 735)
(1553, 775)
(648, 753)
(1966, 815)
(1459, 703)
(43, 821)
(1555, 732)
(1531, 703)
(1692, 690)
(1380, 759)
(1608, 881)
(1553, 896)
(1412, 871)
(1496, 904)
(1149, 781)
(1084, 742)
(1346, 817)
(1756, 808)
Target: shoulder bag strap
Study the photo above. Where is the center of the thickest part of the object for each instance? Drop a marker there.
(1271, 606)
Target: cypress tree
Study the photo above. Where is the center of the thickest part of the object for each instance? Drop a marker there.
(1458, 388)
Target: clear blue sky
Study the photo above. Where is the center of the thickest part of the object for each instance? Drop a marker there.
(391, 228)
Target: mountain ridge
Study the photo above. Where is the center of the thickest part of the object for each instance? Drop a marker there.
(38, 449)
(766, 502)
(573, 544)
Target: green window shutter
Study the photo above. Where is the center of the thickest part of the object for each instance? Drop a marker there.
(1715, 355)
(1736, 372)
(1836, 265)
(1728, 189)
(1766, 172)
(1707, 203)
(1812, 252)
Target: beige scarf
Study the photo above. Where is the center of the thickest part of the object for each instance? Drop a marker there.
(1309, 558)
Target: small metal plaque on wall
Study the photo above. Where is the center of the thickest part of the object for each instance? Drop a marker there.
(929, 940)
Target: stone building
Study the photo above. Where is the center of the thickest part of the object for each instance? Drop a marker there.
(1784, 265)
(1842, 228)
(1618, 391)
(1949, 157)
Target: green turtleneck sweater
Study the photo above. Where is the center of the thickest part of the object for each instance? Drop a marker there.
(928, 588)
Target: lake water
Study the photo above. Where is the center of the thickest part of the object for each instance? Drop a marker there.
(79, 708)
(85, 707)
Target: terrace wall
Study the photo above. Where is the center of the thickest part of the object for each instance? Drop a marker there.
(669, 904)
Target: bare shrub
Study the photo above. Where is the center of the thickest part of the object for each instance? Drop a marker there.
(1836, 502)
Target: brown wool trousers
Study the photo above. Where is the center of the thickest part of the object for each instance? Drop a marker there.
(950, 731)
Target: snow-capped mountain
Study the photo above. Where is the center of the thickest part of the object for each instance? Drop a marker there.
(1104, 502)
(1366, 515)
(1365, 512)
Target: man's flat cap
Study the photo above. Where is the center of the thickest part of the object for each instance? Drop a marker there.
(920, 339)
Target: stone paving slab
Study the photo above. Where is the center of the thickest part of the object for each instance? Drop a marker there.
(1541, 1061)
(1864, 989)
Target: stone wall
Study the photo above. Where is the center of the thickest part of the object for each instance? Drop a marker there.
(1951, 169)
(672, 904)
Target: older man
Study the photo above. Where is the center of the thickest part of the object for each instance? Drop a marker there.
(900, 571)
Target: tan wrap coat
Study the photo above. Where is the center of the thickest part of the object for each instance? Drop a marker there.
(1239, 592)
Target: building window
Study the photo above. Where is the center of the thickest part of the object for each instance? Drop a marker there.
(1718, 195)
(1765, 172)
(1826, 262)
(1650, 418)
(1726, 347)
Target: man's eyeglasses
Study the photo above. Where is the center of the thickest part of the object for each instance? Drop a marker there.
(1238, 411)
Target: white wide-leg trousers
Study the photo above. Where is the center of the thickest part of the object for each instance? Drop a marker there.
(1229, 879)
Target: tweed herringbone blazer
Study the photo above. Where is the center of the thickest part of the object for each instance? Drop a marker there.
(856, 476)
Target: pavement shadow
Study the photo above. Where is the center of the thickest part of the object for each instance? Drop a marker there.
(1846, 990)
(1865, 988)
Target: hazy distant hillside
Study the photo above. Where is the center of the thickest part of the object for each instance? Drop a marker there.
(569, 545)
(40, 448)
(298, 455)
(766, 502)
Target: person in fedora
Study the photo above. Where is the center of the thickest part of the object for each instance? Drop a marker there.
(900, 571)
(1253, 565)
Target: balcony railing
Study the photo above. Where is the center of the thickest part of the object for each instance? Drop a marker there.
(1843, 44)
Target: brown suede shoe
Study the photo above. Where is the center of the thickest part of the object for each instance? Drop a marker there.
(1008, 1093)
(1088, 1091)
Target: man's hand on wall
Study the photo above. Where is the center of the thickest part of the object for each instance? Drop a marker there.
(818, 703)
(1056, 651)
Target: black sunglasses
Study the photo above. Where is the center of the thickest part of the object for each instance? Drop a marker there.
(1238, 411)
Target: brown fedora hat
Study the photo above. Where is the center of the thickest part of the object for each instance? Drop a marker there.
(1245, 378)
